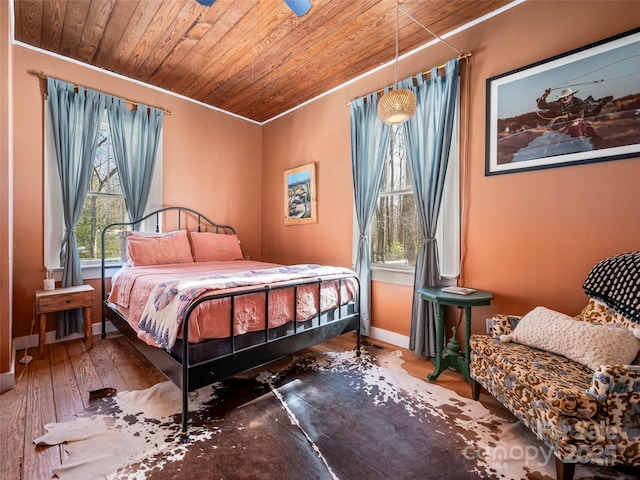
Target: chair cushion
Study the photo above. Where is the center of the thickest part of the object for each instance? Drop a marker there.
(561, 383)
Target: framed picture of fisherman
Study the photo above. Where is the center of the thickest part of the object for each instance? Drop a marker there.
(300, 195)
(579, 107)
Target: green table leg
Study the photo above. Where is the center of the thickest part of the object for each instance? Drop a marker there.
(437, 361)
(467, 349)
(451, 357)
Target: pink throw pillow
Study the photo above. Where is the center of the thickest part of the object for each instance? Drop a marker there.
(210, 247)
(159, 250)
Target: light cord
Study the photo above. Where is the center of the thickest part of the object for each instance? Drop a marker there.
(395, 83)
(27, 358)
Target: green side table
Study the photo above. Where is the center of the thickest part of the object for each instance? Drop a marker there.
(450, 355)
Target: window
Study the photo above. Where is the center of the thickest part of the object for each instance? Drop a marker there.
(104, 204)
(395, 235)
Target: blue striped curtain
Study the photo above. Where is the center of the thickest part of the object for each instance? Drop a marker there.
(428, 143)
(369, 142)
(135, 135)
(75, 121)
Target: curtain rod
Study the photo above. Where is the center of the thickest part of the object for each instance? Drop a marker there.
(426, 72)
(45, 76)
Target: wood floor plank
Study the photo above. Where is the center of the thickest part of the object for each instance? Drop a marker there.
(68, 399)
(12, 421)
(86, 376)
(39, 461)
(140, 375)
(107, 370)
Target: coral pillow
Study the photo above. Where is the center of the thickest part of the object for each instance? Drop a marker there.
(210, 247)
(586, 343)
(159, 249)
(126, 234)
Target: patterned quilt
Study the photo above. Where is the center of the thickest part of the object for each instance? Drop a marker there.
(167, 305)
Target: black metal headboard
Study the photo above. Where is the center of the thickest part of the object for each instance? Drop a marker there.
(180, 213)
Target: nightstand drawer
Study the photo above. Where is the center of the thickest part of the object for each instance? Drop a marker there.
(64, 299)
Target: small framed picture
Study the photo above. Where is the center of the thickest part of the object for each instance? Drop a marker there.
(578, 107)
(300, 195)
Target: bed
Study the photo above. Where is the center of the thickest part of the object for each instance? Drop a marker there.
(189, 301)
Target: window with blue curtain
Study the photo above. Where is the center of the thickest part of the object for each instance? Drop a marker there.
(394, 233)
(105, 203)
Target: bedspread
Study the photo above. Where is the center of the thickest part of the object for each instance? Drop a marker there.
(155, 299)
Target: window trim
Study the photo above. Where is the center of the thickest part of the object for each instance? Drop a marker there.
(399, 275)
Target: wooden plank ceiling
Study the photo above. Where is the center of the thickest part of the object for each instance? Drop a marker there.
(253, 58)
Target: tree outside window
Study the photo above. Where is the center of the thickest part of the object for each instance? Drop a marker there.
(105, 204)
(394, 232)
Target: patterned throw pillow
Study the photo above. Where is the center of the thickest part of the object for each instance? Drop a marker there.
(615, 281)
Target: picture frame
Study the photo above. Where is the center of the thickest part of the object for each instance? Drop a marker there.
(300, 206)
(579, 107)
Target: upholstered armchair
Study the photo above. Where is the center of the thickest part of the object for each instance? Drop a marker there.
(573, 381)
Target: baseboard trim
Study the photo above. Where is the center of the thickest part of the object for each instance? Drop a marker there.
(389, 337)
(31, 341)
(7, 379)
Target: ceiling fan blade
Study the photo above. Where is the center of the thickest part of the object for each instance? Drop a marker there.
(299, 7)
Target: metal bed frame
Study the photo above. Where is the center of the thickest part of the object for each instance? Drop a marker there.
(190, 375)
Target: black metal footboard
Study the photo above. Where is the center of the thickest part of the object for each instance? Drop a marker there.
(345, 318)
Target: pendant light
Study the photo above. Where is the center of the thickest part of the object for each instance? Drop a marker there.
(398, 105)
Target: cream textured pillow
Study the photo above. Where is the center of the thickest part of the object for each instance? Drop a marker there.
(586, 343)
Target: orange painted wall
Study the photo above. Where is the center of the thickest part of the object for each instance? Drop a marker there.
(531, 237)
(317, 133)
(391, 307)
(212, 162)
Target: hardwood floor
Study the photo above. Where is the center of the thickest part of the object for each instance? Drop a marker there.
(53, 388)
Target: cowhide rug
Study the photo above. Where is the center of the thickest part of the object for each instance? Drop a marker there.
(321, 416)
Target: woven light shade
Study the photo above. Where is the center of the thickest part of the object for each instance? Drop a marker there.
(397, 106)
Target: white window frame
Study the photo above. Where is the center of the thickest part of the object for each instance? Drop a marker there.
(53, 217)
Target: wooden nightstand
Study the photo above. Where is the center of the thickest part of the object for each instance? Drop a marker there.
(60, 299)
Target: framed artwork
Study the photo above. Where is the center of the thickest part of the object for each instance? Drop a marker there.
(300, 195)
(579, 107)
